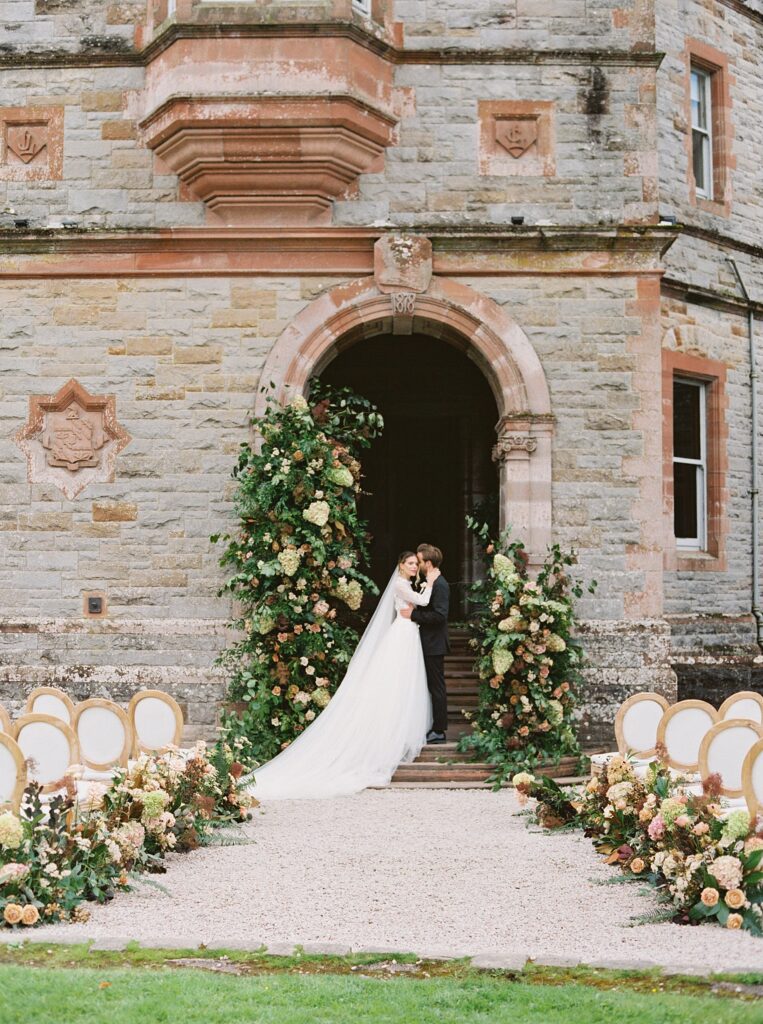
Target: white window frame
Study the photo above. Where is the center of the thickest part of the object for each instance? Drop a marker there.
(171, 7)
(698, 543)
(704, 81)
(362, 7)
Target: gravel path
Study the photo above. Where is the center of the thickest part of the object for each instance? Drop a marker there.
(426, 871)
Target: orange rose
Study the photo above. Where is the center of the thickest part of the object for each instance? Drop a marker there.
(637, 865)
(734, 921)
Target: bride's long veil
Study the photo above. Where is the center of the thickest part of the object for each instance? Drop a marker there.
(373, 634)
(334, 725)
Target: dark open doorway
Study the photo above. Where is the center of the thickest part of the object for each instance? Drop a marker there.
(432, 466)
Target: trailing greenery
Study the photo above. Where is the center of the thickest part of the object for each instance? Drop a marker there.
(297, 562)
(527, 658)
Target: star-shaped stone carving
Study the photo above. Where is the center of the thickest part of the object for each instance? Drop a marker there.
(71, 439)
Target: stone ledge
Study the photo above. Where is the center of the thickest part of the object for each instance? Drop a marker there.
(122, 627)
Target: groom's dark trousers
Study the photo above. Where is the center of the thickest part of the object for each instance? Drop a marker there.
(433, 629)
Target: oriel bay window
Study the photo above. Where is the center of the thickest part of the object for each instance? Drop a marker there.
(690, 463)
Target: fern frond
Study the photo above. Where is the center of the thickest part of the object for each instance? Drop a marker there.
(659, 915)
(138, 880)
(226, 837)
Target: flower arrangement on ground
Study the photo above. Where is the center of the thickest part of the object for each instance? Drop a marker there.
(297, 561)
(528, 661)
(706, 861)
(57, 854)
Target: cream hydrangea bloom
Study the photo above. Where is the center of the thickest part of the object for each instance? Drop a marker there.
(317, 513)
(11, 832)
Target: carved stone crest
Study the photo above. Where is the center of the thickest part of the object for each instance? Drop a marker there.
(31, 143)
(516, 135)
(71, 438)
(508, 443)
(26, 141)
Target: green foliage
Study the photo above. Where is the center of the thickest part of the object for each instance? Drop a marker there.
(296, 565)
(527, 658)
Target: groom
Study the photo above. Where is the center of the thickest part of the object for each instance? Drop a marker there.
(433, 620)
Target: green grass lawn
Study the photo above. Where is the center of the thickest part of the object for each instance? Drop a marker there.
(124, 995)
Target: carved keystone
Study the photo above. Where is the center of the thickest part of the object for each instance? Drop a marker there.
(71, 439)
(403, 263)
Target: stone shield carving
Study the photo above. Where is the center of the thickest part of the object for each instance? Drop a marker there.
(71, 439)
(516, 135)
(26, 141)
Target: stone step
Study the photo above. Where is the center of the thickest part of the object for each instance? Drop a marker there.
(424, 771)
(573, 780)
(440, 753)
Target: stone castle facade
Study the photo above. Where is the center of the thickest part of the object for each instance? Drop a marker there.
(205, 199)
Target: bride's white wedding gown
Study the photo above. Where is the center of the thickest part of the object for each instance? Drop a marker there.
(378, 717)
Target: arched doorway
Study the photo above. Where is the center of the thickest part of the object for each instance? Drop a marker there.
(472, 323)
(432, 466)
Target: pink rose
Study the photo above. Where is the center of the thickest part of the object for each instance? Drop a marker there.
(656, 828)
(701, 828)
(683, 820)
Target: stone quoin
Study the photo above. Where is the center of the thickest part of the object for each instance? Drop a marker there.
(204, 205)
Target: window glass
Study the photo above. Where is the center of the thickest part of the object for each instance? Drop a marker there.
(689, 468)
(685, 503)
(698, 100)
(687, 438)
(701, 134)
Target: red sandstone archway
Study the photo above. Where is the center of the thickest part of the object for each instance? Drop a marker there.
(472, 322)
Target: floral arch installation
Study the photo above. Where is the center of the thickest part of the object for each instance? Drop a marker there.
(471, 322)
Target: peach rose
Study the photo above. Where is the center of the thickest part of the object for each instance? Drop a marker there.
(734, 898)
(13, 913)
(637, 865)
(709, 897)
(734, 921)
(701, 828)
(30, 915)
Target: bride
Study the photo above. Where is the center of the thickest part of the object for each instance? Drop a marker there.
(378, 717)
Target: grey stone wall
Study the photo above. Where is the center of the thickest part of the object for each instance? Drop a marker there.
(71, 25)
(430, 176)
(713, 632)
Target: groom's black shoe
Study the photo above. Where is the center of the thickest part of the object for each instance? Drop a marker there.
(435, 737)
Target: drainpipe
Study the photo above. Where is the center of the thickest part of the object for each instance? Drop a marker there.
(756, 610)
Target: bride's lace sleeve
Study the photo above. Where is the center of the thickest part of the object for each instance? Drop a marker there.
(406, 593)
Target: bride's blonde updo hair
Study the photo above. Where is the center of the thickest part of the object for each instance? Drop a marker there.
(404, 558)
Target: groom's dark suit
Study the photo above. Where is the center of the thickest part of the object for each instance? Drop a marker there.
(433, 623)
